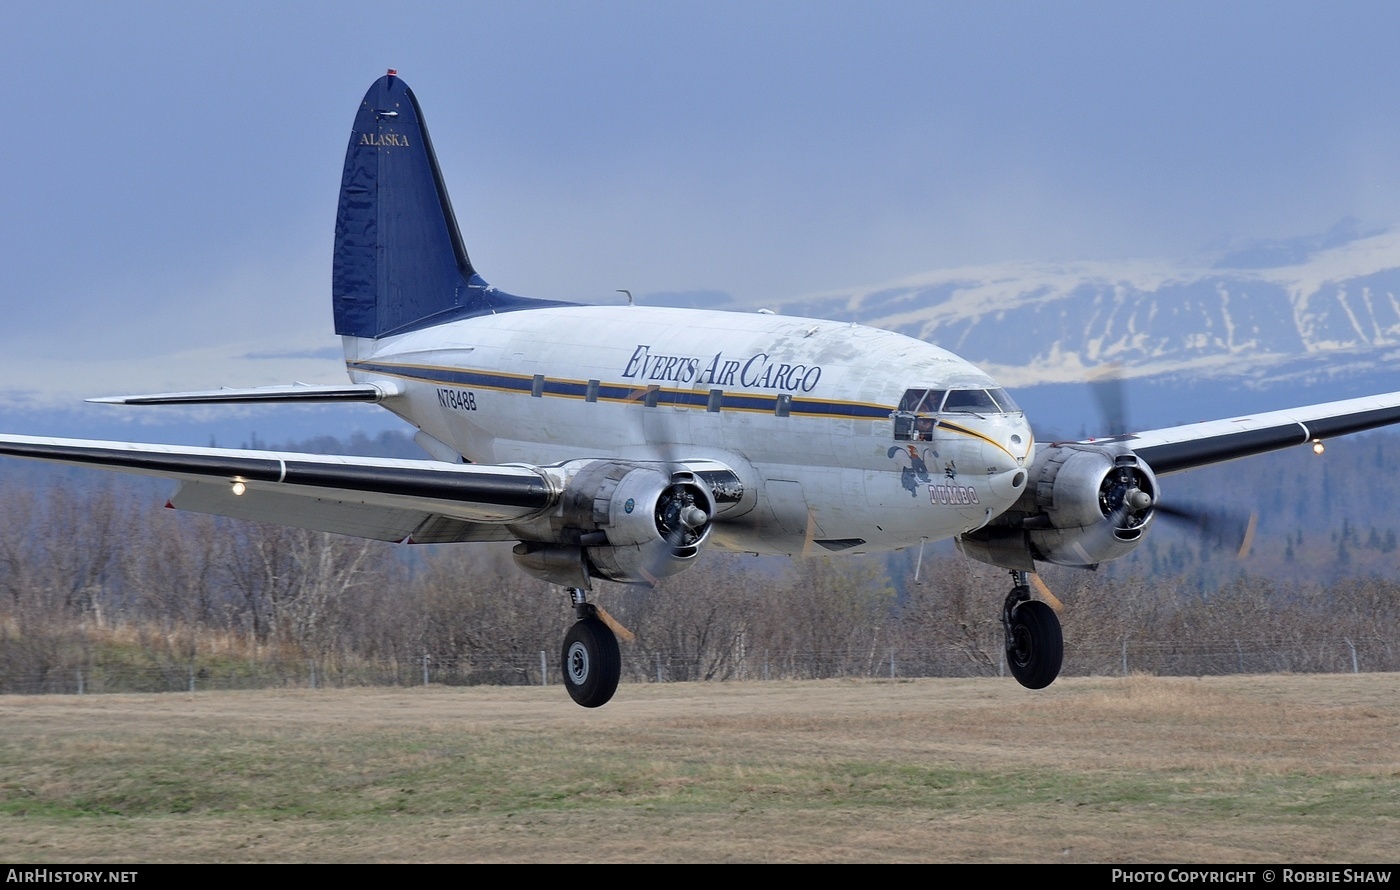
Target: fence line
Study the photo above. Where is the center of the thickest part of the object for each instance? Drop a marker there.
(1160, 657)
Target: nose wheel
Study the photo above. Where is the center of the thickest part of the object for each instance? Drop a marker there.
(1035, 646)
(591, 659)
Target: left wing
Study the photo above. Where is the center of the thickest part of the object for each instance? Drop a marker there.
(1177, 448)
(382, 498)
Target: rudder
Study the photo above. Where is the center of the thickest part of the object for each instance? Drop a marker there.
(399, 261)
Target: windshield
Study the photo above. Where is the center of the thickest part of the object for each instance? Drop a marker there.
(1003, 398)
(970, 401)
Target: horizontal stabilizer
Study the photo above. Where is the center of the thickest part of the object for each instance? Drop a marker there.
(297, 392)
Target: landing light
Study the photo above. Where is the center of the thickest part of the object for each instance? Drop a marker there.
(1318, 447)
(239, 487)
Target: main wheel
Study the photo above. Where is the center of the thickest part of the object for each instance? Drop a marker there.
(592, 662)
(1035, 647)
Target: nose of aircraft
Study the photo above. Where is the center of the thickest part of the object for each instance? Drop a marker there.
(1009, 450)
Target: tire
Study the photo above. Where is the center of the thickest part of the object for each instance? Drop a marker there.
(1036, 648)
(591, 663)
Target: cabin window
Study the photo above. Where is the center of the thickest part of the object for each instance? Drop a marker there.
(592, 394)
(783, 408)
(537, 386)
(716, 401)
(653, 396)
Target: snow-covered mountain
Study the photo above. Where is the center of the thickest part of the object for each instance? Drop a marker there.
(1320, 315)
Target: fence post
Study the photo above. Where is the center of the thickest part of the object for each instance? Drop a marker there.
(425, 669)
(544, 669)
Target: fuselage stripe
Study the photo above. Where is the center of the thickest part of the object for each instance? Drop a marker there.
(617, 392)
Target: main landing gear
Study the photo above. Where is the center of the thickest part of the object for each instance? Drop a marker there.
(1035, 647)
(592, 662)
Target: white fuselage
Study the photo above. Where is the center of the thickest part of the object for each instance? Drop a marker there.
(801, 409)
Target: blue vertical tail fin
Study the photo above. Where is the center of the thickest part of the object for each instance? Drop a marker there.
(399, 261)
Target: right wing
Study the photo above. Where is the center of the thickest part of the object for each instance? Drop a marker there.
(387, 499)
(1192, 445)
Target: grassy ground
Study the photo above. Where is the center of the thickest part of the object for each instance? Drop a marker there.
(1266, 769)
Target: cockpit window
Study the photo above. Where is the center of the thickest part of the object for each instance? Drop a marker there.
(971, 401)
(913, 421)
(1004, 400)
(921, 401)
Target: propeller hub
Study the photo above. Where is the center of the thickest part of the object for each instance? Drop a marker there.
(683, 514)
(694, 517)
(1137, 499)
(1125, 495)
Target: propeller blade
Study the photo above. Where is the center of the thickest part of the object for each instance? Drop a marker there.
(1050, 599)
(1110, 392)
(810, 534)
(682, 515)
(616, 626)
(1222, 528)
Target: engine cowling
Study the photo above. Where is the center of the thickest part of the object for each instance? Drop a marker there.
(619, 520)
(1086, 504)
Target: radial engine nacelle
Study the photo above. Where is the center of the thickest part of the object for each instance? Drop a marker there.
(619, 520)
(1086, 504)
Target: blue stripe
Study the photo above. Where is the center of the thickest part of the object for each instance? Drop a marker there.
(620, 392)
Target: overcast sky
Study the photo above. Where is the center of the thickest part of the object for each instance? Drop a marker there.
(172, 168)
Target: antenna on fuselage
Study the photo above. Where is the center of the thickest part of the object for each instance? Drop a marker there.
(629, 296)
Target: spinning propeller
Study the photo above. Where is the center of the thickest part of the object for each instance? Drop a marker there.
(684, 509)
(1128, 505)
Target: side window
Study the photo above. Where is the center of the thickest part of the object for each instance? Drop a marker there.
(913, 421)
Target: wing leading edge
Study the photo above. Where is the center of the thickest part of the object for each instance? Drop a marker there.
(1186, 447)
(381, 498)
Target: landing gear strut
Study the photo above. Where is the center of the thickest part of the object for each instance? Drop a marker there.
(1035, 647)
(592, 662)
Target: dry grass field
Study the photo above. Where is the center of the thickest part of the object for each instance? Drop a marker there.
(1264, 769)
